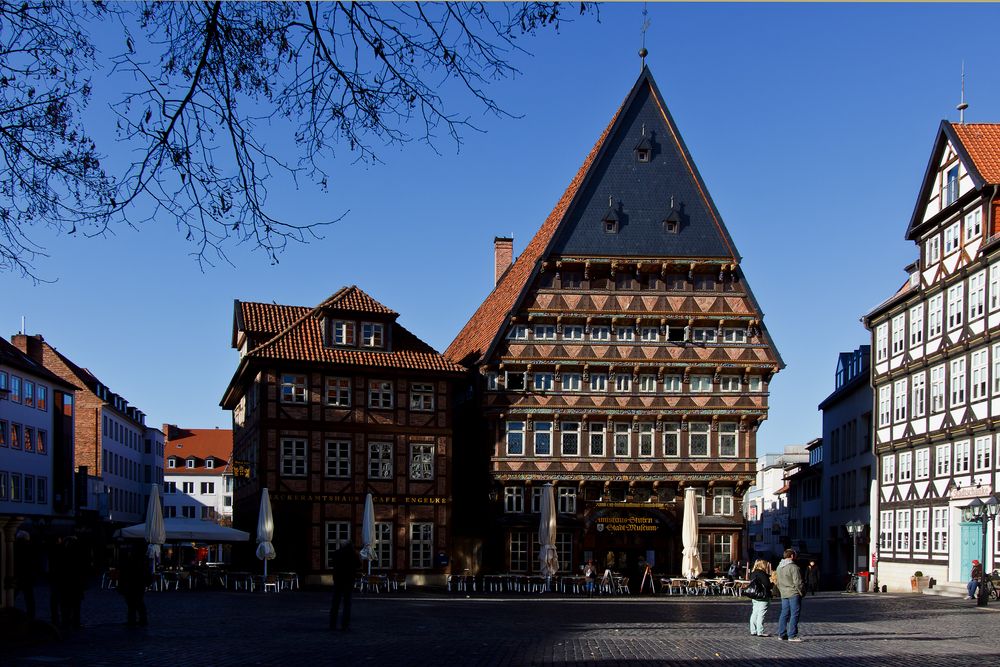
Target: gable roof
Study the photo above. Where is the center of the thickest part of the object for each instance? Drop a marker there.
(12, 357)
(978, 147)
(200, 443)
(586, 198)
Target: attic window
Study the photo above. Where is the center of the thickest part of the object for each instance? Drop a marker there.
(671, 226)
(171, 463)
(610, 226)
(209, 463)
(642, 154)
(189, 463)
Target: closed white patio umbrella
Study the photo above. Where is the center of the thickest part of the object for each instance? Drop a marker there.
(690, 560)
(548, 558)
(156, 532)
(265, 530)
(368, 532)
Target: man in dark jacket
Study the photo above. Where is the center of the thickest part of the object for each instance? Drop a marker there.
(791, 587)
(135, 575)
(25, 566)
(345, 567)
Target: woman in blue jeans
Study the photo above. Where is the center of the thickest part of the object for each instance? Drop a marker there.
(762, 575)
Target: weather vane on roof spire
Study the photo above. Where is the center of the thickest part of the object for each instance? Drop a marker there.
(963, 105)
(645, 26)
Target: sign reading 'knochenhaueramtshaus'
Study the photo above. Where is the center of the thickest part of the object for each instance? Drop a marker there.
(355, 497)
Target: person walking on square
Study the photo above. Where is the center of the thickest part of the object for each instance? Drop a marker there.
(345, 567)
(790, 587)
(25, 567)
(71, 573)
(812, 578)
(974, 578)
(760, 577)
(135, 576)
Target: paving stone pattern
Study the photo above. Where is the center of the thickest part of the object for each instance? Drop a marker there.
(226, 628)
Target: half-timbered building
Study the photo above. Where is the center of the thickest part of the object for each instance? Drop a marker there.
(936, 367)
(332, 403)
(623, 357)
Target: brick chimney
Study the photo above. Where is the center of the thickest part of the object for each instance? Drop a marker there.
(30, 345)
(503, 256)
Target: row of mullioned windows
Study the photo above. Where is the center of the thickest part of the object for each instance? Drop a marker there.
(628, 334)
(338, 459)
(951, 384)
(600, 439)
(566, 500)
(953, 237)
(26, 438)
(26, 392)
(22, 488)
(976, 455)
(349, 333)
(945, 311)
(921, 530)
(337, 392)
(620, 382)
(421, 543)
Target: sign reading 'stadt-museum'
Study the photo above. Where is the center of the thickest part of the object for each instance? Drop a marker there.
(626, 524)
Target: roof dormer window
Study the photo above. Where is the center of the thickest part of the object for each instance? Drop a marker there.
(642, 154)
(672, 223)
(171, 462)
(209, 463)
(189, 463)
(644, 149)
(372, 334)
(610, 220)
(342, 333)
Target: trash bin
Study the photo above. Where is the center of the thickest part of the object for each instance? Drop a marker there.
(864, 579)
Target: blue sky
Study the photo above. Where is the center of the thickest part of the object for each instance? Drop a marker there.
(811, 125)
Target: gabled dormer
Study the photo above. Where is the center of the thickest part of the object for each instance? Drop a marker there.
(354, 320)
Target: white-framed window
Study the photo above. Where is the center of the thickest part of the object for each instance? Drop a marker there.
(698, 434)
(940, 530)
(647, 384)
(518, 552)
(977, 295)
(882, 342)
(994, 286)
(729, 438)
(536, 500)
(957, 382)
(942, 460)
(564, 547)
(734, 335)
(755, 383)
(951, 238)
(701, 383)
(979, 372)
(542, 382)
(672, 383)
(884, 405)
(513, 499)
(571, 381)
(885, 541)
(905, 470)
(699, 501)
(961, 457)
(543, 438)
(920, 529)
(598, 382)
(722, 502)
(545, 332)
(572, 332)
(974, 224)
(646, 446)
(983, 453)
(918, 400)
(898, 333)
(922, 463)
(422, 396)
(338, 458)
(934, 315)
(569, 436)
(671, 439)
(379, 460)
(649, 334)
(937, 389)
(293, 457)
(379, 394)
(421, 461)
(338, 392)
(293, 388)
(515, 438)
(623, 439)
(514, 380)
(902, 530)
(518, 332)
(899, 400)
(917, 325)
(372, 334)
(382, 545)
(729, 383)
(338, 533)
(421, 545)
(996, 369)
(625, 334)
(955, 312)
(888, 468)
(566, 500)
(932, 250)
(598, 434)
(704, 334)
(623, 382)
(343, 333)
(600, 333)
(492, 382)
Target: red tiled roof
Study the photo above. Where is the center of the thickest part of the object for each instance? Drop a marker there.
(478, 333)
(200, 443)
(982, 142)
(353, 299)
(269, 317)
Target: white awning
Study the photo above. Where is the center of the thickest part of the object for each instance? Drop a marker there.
(188, 530)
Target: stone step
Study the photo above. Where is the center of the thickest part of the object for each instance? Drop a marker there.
(951, 589)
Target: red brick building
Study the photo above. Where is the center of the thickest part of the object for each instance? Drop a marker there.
(331, 403)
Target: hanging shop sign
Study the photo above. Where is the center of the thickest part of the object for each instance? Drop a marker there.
(241, 469)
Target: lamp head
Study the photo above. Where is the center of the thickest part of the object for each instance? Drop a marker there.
(992, 506)
(973, 510)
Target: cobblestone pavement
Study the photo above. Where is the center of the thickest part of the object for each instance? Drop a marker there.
(224, 628)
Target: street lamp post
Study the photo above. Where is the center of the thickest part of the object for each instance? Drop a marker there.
(854, 529)
(982, 513)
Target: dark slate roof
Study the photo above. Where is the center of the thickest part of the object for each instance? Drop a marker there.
(12, 357)
(643, 192)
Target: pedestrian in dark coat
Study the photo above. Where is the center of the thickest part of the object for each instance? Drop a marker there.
(71, 572)
(345, 567)
(134, 576)
(25, 569)
(812, 578)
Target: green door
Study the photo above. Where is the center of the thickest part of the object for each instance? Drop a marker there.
(972, 548)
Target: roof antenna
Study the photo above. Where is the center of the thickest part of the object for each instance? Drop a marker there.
(22, 325)
(645, 26)
(963, 105)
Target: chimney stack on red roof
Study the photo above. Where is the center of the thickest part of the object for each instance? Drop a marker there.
(30, 345)
(503, 256)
